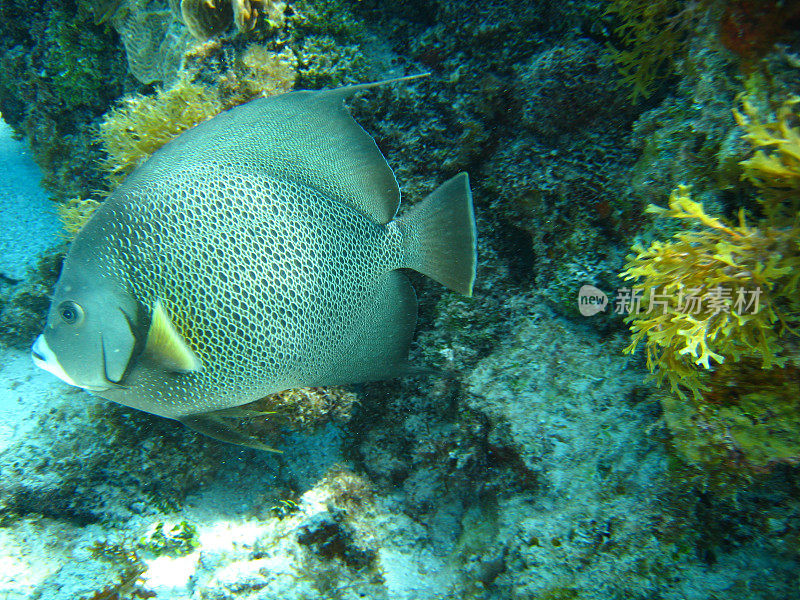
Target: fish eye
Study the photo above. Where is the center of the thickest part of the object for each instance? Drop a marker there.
(70, 312)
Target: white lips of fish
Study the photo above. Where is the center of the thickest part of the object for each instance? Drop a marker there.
(44, 358)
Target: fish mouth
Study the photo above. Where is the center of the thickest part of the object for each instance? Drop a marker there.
(44, 358)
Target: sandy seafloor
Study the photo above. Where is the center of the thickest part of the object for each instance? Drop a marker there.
(52, 559)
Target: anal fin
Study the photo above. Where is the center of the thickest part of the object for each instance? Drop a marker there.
(378, 348)
(225, 429)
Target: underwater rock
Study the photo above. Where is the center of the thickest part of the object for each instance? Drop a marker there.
(23, 305)
(605, 518)
(569, 88)
(58, 72)
(329, 536)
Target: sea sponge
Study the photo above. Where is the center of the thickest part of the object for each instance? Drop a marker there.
(750, 28)
(155, 39)
(140, 125)
(721, 292)
(205, 18)
(157, 35)
(246, 13)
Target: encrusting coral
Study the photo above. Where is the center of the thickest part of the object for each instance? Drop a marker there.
(775, 166)
(718, 309)
(722, 292)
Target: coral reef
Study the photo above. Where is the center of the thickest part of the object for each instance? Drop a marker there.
(535, 462)
(204, 20)
(275, 418)
(586, 503)
(66, 480)
(653, 39)
(328, 536)
(307, 408)
(58, 72)
(108, 571)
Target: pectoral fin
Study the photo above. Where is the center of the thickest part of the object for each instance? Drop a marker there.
(166, 346)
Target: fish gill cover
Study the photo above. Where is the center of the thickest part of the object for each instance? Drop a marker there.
(527, 455)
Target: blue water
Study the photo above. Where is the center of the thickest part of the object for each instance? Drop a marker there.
(28, 221)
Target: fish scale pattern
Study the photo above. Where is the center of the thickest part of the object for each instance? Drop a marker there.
(266, 290)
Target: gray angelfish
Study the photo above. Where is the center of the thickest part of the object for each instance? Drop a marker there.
(255, 253)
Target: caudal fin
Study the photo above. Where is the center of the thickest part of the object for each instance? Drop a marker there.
(440, 236)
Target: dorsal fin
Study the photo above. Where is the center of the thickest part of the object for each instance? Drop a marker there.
(305, 137)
